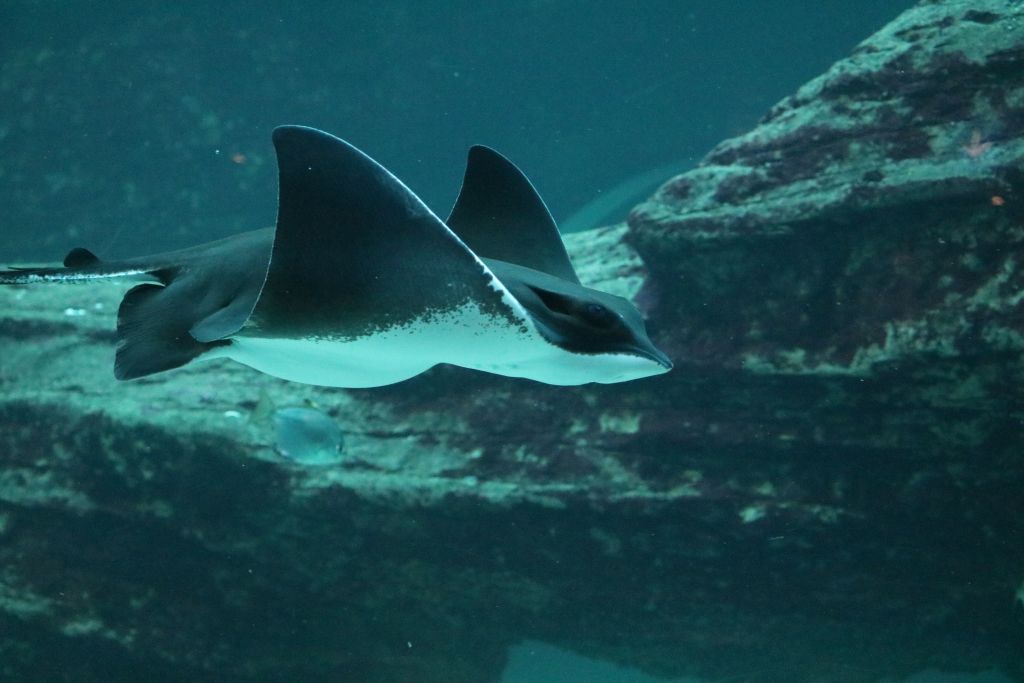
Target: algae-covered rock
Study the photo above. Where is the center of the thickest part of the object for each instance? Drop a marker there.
(873, 217)
(827, 487)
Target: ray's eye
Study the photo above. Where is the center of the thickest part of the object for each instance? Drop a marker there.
(597, 315)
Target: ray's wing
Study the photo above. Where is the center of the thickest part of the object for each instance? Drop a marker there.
(356, 252)
(499, 215)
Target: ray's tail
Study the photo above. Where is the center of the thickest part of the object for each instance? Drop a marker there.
(80, 265)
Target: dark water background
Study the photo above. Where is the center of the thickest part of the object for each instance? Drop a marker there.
(132, 127)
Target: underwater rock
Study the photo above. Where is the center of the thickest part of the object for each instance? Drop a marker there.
(835, 464)
(870, 219)
(307, 436)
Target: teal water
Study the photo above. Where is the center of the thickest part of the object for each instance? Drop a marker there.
(156, 118)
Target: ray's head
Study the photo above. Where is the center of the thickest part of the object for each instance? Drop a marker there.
(599, 327)
(604, 334)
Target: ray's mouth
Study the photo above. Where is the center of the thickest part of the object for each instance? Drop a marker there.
(656, 355)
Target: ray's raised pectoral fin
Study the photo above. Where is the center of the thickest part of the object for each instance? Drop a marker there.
(356, 252)
(499, 215)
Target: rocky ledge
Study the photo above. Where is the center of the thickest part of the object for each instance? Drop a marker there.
(828, 486)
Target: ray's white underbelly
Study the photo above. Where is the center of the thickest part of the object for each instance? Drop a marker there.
(360, 364)
(326, 362)
(468, 339)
